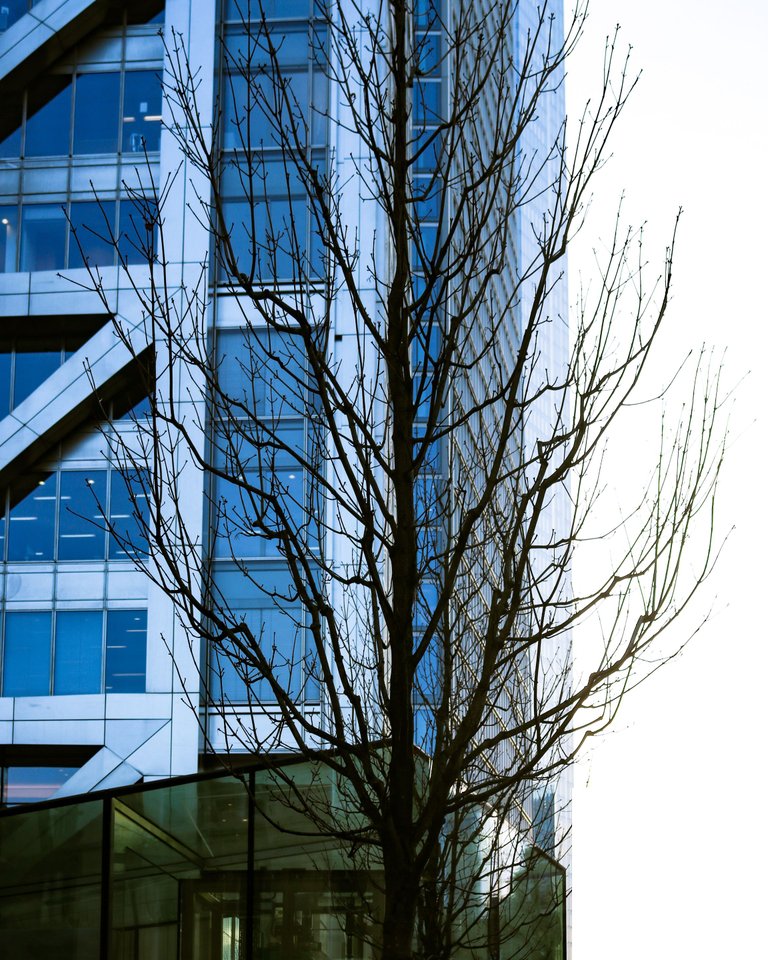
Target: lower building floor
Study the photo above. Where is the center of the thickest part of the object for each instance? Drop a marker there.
(220, 867)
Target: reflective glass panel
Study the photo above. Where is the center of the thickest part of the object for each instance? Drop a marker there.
(27, 654)
(91, 234)
(138, 229)
(43, 237)
(78, 652)
(97, 112)
(142, 110)
(48, 123)
(9, 238)
(126, 668)
(127, 501)
(10, 146)
(31, 369)
(239, 10)
(50, 889)
(266, 603)
(34, 784)
(82, 498)
(5, 383)
(10, 11)
(31, 527)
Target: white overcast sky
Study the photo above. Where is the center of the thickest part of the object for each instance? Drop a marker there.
(670, 846)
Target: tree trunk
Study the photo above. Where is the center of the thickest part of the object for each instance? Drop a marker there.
(401, 893)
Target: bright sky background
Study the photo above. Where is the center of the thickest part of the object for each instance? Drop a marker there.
(669, 844)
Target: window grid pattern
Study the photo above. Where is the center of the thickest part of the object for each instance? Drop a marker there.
(82, 127)
(266, 210)
(74, 515)
(66, 652)
(250, 581)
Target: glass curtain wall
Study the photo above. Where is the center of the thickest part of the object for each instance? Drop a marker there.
(218, 867)
(194, 870)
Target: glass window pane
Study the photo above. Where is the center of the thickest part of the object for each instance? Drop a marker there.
(266, 602)
(5, 383)
(9, 238)
(82, 499)
(265, 372)
(43, 237)
(30, 370)
(50, 868)
(48, 123)
(97, 112)
(238, 10)
(34, 784)
(27, 655)
(30, 531)
(138, 229)
(127, 503)
(10, 11)
(126, 670)
(78, 652)
(142, 109)
(91, 237)
(10, 145)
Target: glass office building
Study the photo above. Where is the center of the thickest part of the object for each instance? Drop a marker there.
(207, 868)
(102, 690)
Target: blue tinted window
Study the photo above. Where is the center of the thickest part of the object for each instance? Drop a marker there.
(9, 234)
(91, 235)
(83, 496)
(10, 146)
(30, 370)
(127, 502)
(31, 526)
(10, 11)
(126, 668)
(78, 652)
(267, 604)
(267, 372)
(97, 112)
(5, 383)
(48, 124)
(27, 655)
(138, 229)
(239, 10)
(43, 237)
(142, 109)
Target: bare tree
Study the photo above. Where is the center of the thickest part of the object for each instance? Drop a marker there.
(398, 468)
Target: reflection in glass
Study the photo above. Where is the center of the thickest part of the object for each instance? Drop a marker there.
(142, 109)
(91, 233)
(126, 668)
(9, 232)
(43, 237)
(33, 784)
(267, 604)
(78, 652)
(127, 503)
(97, 112)
(48, 122)
(5, 386)
(30, 369)
(27, 654)
(82, 495)
(50, 890)
(138, 229)
(31, 527)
